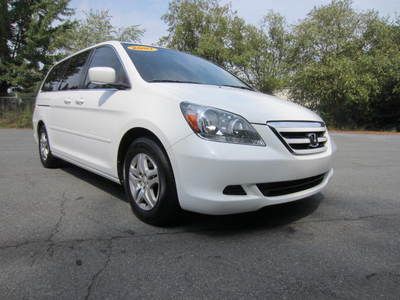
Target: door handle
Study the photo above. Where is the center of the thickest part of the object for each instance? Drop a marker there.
(67, 101)
(79, 102)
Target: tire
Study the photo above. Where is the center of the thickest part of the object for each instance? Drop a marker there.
(46, 157)
(149, 183)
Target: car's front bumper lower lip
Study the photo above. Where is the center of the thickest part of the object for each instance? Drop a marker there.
(203, 169)
(254, 200)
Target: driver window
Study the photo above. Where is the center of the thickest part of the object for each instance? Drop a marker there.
(106, 57)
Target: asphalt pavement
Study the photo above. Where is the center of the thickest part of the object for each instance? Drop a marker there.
(69, 234)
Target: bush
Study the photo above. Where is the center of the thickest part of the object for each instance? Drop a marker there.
(13, 119)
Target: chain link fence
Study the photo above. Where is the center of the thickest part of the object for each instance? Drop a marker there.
(16, 111)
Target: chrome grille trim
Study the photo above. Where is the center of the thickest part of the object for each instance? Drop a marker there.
(300, 129)
(304, 141)
(295, 136)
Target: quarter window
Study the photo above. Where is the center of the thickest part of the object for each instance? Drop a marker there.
(106, 57)
(54, 78)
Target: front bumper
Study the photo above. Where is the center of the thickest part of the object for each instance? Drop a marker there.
(203, 169)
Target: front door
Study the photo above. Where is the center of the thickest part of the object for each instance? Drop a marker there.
(96, 111)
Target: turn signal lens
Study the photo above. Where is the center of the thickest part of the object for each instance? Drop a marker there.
(192, 120)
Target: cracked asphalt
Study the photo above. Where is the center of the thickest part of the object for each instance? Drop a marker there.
(69, 234)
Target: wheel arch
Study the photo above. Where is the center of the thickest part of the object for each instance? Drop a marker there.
(36, 129)
(128, 138)
(39, 125)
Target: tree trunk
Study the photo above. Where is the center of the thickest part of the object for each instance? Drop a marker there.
(3, 88)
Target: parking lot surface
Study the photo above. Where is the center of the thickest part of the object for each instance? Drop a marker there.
(69, 234)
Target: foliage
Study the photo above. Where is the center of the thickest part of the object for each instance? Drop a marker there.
(345, 64)
(31, 32)
(18, 114)
(199, 27)
(16, 119)
(340, 62)
(215, 32)
(259, 54)
(97, 28)
(382, 60)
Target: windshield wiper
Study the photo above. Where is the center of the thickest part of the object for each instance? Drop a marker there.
(238, 87)
(175, 81)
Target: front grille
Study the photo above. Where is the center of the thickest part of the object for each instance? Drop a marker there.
(280, 188)
(301, 137)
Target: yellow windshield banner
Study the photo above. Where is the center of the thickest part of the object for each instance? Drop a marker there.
(142, 48)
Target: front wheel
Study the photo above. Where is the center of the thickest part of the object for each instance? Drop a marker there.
(46, 157)
(149, 183)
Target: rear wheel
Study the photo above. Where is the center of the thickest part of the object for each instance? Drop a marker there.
(149, 183)
(46, 157)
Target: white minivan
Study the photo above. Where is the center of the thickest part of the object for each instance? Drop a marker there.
(178, 132)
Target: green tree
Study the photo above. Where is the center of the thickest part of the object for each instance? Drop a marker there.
(199, 27)
(31, 32)
(97, 27)
(215, 32)
(338, 67)
(382, 60)
(259, 54)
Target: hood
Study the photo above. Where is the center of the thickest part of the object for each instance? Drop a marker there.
(254, 106)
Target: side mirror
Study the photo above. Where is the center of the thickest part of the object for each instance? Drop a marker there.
(102, 75)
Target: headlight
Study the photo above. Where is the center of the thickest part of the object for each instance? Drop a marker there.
(219, 125)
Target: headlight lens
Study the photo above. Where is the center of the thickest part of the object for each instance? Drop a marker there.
(219, 125)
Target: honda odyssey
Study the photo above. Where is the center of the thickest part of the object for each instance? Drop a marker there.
(178, 132)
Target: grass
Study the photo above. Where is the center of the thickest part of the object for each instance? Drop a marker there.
(14, 119)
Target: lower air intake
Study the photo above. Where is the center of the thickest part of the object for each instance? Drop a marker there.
(281, 188)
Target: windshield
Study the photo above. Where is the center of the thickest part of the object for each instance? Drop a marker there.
(166, 65)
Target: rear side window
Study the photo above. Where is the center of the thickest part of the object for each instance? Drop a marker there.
(106, 57)
(72, 76)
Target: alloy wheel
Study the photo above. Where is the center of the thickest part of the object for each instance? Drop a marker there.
(144, 181)
(44, 146)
